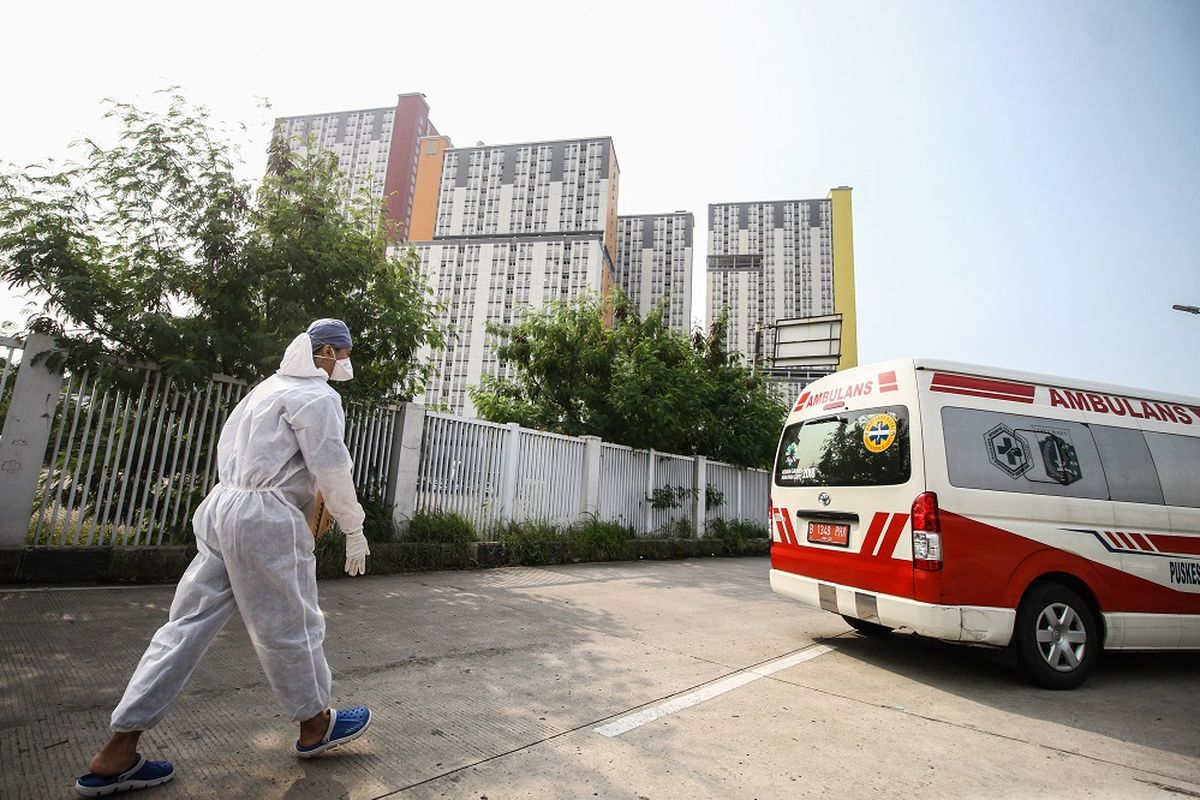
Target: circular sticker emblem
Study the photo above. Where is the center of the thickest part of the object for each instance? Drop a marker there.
(879, 432)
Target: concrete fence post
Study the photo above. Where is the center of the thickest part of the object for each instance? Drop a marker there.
(737, 508)
(589, 488)
(648, 526)
(510, 474)
(700, 497)
(26, 434)
(405, 467)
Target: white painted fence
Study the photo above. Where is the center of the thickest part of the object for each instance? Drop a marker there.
(93, 461)
(493, 474)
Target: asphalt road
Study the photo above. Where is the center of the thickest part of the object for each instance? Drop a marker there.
(685, 679)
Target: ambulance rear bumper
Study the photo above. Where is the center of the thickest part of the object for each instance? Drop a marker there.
(969, 624)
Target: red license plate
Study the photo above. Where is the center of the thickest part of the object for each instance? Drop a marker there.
(829, 533)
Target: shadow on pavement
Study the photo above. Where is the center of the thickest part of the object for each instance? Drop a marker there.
(1102, 705)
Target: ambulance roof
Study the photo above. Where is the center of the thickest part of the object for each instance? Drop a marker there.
(1052, 380)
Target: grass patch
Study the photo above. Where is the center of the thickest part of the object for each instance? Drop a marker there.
(378, 525)
(736, 534)
(681, 528)
(532, 543)
(596, 540)
(331, 554)
(440, 527)
(70, 532)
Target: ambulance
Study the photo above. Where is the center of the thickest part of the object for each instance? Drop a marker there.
(991, 507)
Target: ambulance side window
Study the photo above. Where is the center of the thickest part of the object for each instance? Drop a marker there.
(1016, 453)
(1178, 462)
(1128, 465)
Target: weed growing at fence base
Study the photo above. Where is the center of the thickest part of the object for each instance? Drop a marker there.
(532, 543)
(331, 555)
(440, 527)
(676, 529)
(736, 534)
(596, 540)
(68, 531)
(378, 525)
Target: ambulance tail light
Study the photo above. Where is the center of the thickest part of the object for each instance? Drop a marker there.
(926, 533)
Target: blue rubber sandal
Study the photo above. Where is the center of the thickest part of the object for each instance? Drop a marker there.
(344, 726)
(142, 775)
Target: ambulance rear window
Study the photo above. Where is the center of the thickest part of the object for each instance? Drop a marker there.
(855, 448)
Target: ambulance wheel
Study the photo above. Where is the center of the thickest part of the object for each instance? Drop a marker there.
(867, 628)
(1057, 638)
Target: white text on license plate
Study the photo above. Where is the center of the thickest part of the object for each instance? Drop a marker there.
(829, 533)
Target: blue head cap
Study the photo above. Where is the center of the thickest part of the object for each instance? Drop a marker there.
(330, 331)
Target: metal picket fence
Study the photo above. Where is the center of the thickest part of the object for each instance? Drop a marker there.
(460, 468)
(623, 491)
(493, 474)
(738, 493)
(551, 472)
(672, 472)
(129, 462)
(370, 432)
(129, 455)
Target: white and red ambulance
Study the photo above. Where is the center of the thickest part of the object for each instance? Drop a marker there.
(992, 507)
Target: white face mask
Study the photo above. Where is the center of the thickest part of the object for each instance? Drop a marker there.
(343, 370)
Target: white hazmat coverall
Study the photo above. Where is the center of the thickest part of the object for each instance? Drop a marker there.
(282, 443)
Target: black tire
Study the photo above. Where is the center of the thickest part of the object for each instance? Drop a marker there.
(1057, 638)
(867, 628)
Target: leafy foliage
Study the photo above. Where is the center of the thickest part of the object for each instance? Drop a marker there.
(665, 497)
(153, 250)
(636, 382)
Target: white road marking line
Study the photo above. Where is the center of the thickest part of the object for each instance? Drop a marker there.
(737, 680)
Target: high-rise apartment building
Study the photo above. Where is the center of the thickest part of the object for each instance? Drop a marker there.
(654, 261)
(780, 260)
(516, 227)
(377, 150)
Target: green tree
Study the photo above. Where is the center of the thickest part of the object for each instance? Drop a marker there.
(153, 250)
(636, 382)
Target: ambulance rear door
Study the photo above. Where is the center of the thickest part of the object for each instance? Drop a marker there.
(848, 469)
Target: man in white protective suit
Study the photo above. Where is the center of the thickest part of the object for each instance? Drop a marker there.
(282, 443)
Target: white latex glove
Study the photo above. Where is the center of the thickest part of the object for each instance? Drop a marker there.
(356, 553)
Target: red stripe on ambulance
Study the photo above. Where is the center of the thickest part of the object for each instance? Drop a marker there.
(1127, 541)
(777, 519)
(889, 539)
(787, 521)
(1168, 543)
(1142, 542)
(873, 531)
(949, 383)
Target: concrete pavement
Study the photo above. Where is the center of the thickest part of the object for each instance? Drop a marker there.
(492, 683)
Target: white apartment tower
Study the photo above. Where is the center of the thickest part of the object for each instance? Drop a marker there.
(783, 260)
(376, 150)
(654, 261)
(516, 226)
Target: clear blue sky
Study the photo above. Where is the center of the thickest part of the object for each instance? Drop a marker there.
(1026, 174)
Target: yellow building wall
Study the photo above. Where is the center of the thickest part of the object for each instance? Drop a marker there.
(843, 274)
(425, 193)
